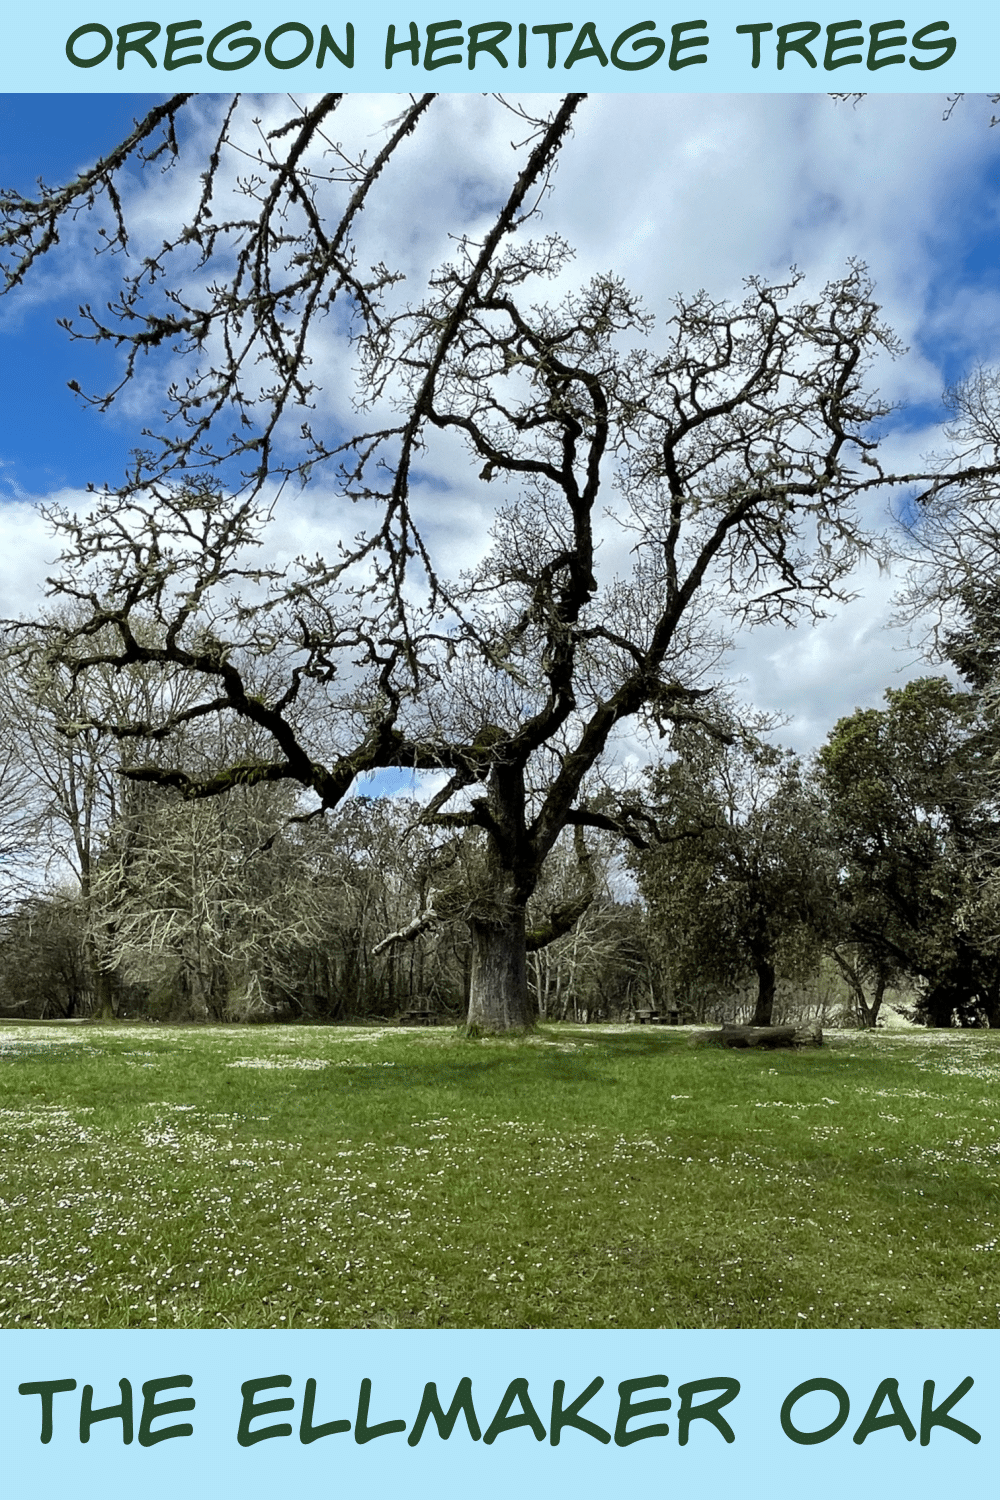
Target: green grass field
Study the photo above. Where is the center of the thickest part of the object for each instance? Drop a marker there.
(584, 1177)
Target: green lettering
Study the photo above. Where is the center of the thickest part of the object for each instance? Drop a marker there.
(937, 1416)
(175, 43)
(878, 44)
(552, 32)
(430, 1406)
(362, 1432)
(806, 1388)
(412, 46)
(151, 1389)
(655, 45)
(327, 44)
(486, 37)
(801, 46)
(678, 44)
(46, 1389)
(307, 1432)
(756, 30)
(88, 1416)
(249, 43)
(251, 1409)
(435, 43)
(502, 1422)
(569, 1416)
(836, 44)
(707, 1411)
(586, 35)
(872, 1422)
(81, 31)
(946, 45)
(291, 62)
(148, 32)
(627, 1408)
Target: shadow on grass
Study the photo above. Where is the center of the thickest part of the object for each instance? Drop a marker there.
(470, 1061)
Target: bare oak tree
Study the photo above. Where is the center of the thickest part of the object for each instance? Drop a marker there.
(651, 497)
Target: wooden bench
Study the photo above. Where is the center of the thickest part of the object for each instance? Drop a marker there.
(419, 1018)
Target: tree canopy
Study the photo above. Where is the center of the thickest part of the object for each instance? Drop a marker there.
(912, 794)
(740, 881)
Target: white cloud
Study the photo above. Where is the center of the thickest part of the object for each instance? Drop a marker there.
(817, 674)
(674, 193)
(27, 553)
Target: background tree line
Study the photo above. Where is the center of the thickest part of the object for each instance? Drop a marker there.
(768, 888)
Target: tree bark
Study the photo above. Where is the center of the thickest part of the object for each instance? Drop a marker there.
(104, 1005)
(870, 1012)
(498, 995)
(498, 990)
(765, 992)
(808, 1035)
(196, 991)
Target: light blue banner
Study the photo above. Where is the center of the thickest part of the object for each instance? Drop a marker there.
(902, 1415)
(723, 46)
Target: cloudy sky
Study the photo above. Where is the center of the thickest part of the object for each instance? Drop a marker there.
(673, 193)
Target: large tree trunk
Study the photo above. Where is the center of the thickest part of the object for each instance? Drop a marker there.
(101, 987)
(104, 1004)
(498, 992)
(765, 992)
(195, 990)
(869, 1013)
(498, 987)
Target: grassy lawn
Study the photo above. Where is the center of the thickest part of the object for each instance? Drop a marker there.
(586, 1177)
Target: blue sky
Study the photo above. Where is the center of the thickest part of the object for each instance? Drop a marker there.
(50, 440)
(674, 192)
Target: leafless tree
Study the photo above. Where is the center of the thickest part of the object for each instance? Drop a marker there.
(652, 496)
(43, 959)
(209, 899)
(63, 771)
(18, 822)
(951, 539)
